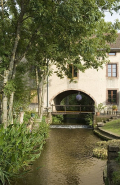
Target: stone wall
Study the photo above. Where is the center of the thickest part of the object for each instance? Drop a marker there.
(112, 165)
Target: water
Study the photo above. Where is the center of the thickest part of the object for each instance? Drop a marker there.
(70, 126)
(67, 160)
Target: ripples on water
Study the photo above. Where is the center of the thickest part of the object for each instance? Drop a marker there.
(67, 160)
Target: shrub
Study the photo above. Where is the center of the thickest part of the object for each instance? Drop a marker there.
(57, 119)
(116, 177)
(114, 107)
(28, 114)
(116, 174)
(89, 119)
(100, 107)
(18, 148)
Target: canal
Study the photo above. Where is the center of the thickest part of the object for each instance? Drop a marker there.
(67, 160)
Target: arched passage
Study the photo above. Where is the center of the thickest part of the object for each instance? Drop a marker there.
(68, 97)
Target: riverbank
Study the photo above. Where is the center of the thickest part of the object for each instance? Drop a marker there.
(110, 133)
(100, 150)
(113, 127)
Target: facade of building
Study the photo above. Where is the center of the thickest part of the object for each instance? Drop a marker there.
(103, 86)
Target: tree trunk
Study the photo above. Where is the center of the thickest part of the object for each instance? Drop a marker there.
(12, 61)
(4, 111)
(5, 79)
(43, 83)
(38, 93)
(10, 112)
(42, 93)
(41, 98)
(40, 85)
(4, 101)
(11, 72)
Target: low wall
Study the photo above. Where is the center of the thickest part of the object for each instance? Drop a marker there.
(112, 165)
(104, 118)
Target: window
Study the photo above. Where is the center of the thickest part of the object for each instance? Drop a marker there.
(112, 96)
(34, 97)
(72, 71)
(112, 54)
(112, 70)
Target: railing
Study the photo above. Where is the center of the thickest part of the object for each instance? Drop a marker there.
(112, 112)
(73, 108)
(77, 109)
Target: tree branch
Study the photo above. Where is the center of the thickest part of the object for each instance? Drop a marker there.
(26, 18)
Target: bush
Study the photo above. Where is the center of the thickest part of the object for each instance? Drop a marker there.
(100, 150)
(57, 119)
(116, 177)
(18, 148)
(89, 119)
(28, 114)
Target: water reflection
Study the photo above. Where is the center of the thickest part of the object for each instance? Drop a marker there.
(67, 160)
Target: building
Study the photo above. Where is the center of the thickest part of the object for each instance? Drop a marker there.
(102, 86)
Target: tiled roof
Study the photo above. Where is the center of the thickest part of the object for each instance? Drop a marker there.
(116, 44)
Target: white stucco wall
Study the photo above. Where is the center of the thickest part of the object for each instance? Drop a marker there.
(92, 82)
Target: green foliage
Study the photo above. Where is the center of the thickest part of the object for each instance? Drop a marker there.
(48, 29)
(100, 107)
(22, 92)
(71, 100)
(28, 114)
(118, 158)
(106, 181)
(9, 88)
(114, 107)
(18, 148)
(113, 126)
(100, 150)
(116, 174)
(57, 119)
(101, 119)
(40, 30)
(116, 177)
(89, 119)
(0, 97)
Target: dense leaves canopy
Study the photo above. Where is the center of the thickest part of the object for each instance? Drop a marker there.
(61, 31)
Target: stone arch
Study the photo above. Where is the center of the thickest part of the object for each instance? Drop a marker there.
(71, 89)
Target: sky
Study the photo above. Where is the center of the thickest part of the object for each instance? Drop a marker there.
(112, 18)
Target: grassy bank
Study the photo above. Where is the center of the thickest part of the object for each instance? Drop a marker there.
(100, 150)
(113, 127)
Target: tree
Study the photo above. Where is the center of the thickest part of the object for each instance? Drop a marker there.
(65, 32)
